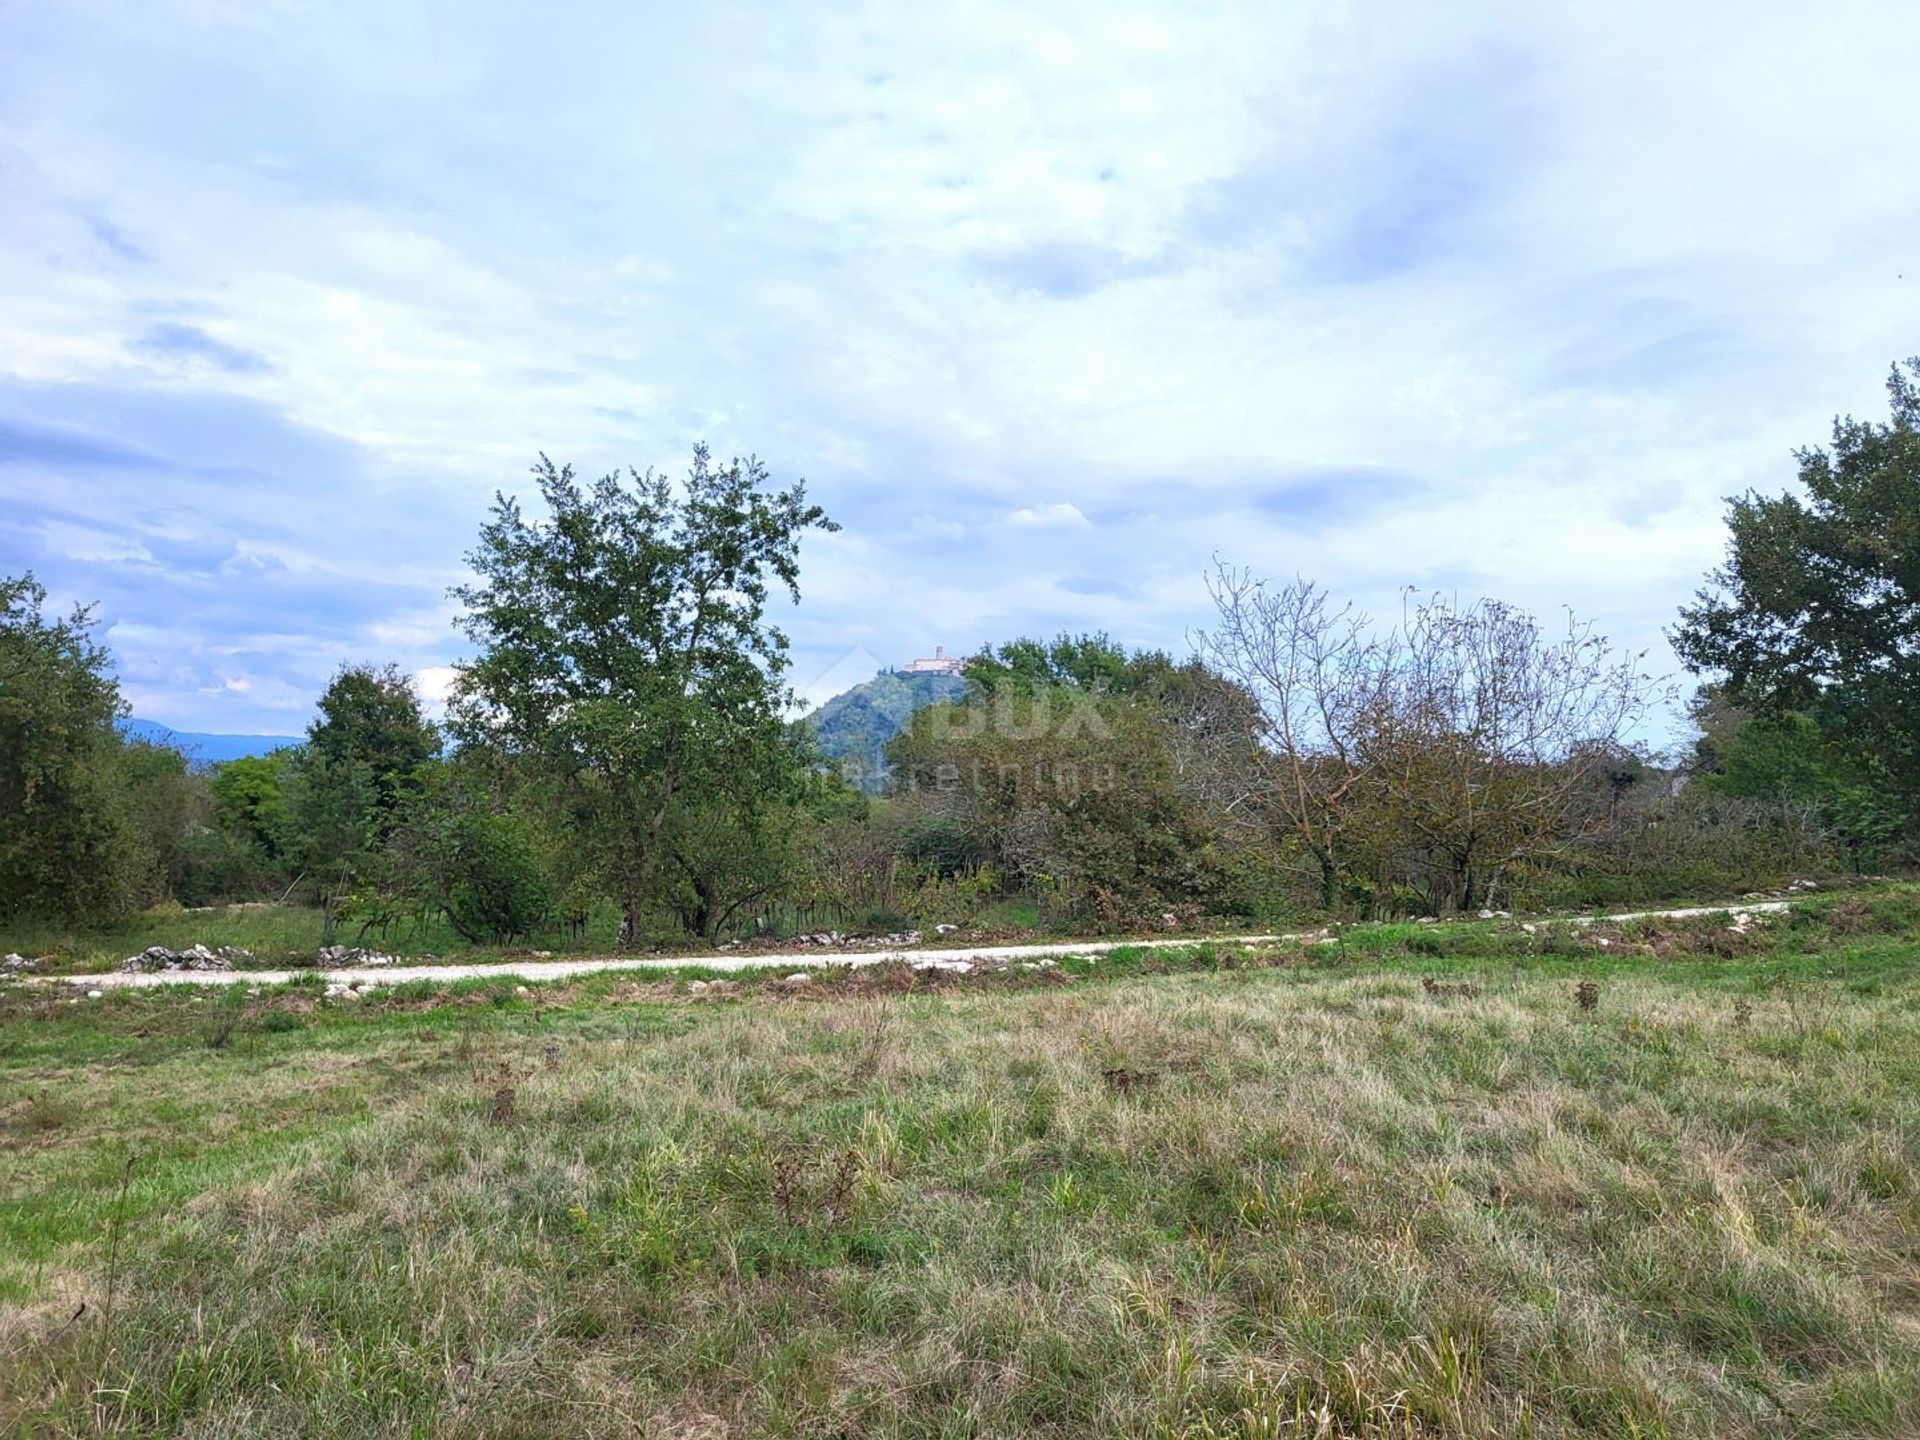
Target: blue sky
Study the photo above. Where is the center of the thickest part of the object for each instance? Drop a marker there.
(1049, 304)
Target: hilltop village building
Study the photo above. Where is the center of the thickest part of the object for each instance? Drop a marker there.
(940, 663)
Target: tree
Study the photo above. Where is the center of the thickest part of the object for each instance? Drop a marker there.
(248, 801)
(624, 649)
(1312, 671)
(1796, 771)
(1430, 758)
(463, 848)
(1487, 739)
(69, 846)
(166, 802)
(1062, 771)
(1816, 610)
(372, 717)
(330, 839)
(1093, 663)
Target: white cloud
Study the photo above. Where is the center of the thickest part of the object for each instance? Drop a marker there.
(1058, 516)
(435, 684)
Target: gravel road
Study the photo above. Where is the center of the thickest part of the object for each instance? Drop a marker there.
(733, 960)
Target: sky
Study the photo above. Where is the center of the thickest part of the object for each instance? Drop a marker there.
(1051, 305)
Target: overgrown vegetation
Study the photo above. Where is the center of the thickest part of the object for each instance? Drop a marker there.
(620, 740)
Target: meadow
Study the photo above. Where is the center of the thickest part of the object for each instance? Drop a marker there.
(1660, 1179)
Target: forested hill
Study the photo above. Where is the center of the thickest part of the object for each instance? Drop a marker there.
(857, 724)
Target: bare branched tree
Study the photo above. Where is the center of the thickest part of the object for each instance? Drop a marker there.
(1313, 671)
(1488, 738)
(1431, 758)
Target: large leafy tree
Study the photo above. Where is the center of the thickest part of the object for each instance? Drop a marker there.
(1817, 608)
(249, 800)
(340, 796)
(69, 845)
(371, 716)
(626, 653)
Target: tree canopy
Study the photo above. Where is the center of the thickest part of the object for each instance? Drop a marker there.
(624, 648)
(69, 846)
(1817, 607)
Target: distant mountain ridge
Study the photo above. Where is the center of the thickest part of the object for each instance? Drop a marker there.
(201, 748)
(853, 728)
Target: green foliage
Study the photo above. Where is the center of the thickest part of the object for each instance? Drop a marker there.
(166, 804)
(371, 718)
(494, 885)
(625, 655)
(1060, 787)
(332, 806)
(218, 865)
(69, 845)
(939, 840)
(1797, 769)
(249, 802)
(1816, 609)
(1093, 663)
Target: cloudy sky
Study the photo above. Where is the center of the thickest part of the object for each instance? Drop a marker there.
(1049, 303)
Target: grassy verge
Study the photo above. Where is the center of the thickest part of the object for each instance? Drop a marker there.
(1407, 1184)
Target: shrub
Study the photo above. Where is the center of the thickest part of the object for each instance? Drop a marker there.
(495, 887)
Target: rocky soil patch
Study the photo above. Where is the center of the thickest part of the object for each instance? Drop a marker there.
(343, 955)
(198, 957)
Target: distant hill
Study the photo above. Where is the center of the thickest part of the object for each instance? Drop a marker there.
(204, 749)
(857, 724)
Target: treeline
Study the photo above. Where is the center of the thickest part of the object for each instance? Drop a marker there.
(617, 752)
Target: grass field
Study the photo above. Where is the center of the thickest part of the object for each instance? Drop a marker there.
(1305, 1192)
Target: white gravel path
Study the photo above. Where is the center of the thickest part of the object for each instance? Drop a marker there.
(953, 958)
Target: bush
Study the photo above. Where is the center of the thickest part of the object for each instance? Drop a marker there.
(1693, 845)
(494, 884)
(217, 866)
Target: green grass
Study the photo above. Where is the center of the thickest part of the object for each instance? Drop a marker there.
(1202, 1193)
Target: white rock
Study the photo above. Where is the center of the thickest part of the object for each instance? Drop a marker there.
(696, 986)
(799, 977)
(95, 994)
(945, 929)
